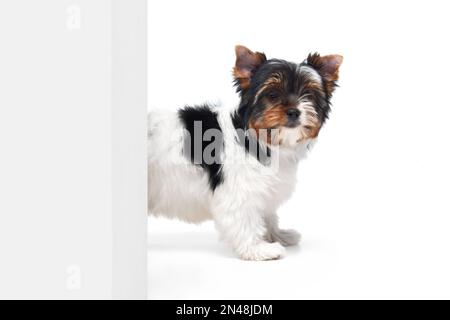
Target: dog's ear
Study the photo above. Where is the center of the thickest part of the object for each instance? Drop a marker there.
(247, 62)
(328, 68)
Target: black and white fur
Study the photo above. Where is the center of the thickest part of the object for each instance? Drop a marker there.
(242, 190)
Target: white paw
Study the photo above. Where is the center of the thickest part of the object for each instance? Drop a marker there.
(263, 251)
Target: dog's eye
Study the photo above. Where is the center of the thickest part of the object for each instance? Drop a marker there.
(273, 95)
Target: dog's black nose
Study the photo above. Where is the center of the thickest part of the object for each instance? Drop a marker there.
(293, 114)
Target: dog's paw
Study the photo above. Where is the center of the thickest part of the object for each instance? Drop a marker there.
(263, 251)
(287, 238)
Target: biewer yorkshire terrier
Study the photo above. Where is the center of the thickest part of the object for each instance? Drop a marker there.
(238, 165)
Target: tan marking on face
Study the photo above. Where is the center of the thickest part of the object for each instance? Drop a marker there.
(273, 117)
(314, 85)
(275, 81)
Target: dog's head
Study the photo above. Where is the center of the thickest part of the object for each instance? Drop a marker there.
(287, 101)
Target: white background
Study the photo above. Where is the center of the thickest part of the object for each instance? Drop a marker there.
(372, 201)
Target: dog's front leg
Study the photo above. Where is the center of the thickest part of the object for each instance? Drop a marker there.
(245, 230)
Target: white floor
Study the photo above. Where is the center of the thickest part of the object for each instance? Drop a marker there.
(188, 262)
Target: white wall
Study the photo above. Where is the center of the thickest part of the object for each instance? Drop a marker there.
(73, 149)
(372, 201)
(129, 149)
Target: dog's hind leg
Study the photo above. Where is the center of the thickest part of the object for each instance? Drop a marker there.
(275, 234)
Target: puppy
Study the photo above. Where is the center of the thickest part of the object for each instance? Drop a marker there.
(238, 165)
